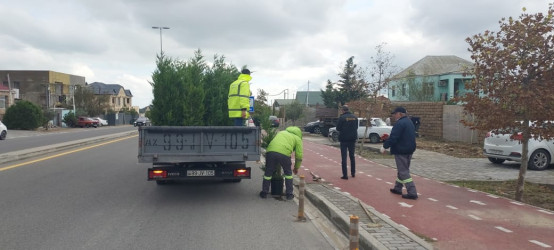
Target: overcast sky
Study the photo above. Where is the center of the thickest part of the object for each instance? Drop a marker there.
(288, 43)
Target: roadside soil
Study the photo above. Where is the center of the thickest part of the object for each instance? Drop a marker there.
(455, 149)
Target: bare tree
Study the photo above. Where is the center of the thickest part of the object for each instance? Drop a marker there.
(513, 85)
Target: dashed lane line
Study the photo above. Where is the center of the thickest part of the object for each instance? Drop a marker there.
(517, 203)
(493, 196)
(451, 207)
(431, 199)
(503, 229)
(475, 217)
(404, 204)
(478, 202)
(540, 243)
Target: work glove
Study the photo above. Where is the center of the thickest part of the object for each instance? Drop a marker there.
(295, 171)
(383, 150)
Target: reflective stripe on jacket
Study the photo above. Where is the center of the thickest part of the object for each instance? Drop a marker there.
(239, 96)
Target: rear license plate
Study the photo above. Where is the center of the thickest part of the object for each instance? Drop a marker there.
(200, 172)
(495, 151)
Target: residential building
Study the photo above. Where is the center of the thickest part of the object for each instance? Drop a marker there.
(5, 100)
(119, 97)
(433, 78)
(46, 88)
(313, 98)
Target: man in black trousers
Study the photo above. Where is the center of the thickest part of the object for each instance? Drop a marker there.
(348, 135)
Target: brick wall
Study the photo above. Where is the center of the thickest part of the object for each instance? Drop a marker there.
(430, 114)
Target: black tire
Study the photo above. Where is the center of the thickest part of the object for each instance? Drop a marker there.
(325, 131)
(374, 138)
(316, 130)
(496, 160)
(3, 135)
(335, 136)
(539, 160)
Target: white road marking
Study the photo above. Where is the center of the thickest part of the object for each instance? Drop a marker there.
(451, 207)
(478, 202)
(361, 172)
(322, 179)
(403, 204)
(305, 168)
(493, 196)
(347, 193)
(337, 188)
(369, 175)
(388, 182)
(517, 203)
(431, 199)
(544, 211)
(386, 216)
(435, 239)
(472, 190)
(455, 186)
(379, 179)
(503, 229)
(474, 217)
(540, 243)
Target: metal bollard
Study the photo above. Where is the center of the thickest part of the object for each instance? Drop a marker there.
(301, 189)
(354, 236)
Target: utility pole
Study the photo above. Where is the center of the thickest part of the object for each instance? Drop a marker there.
(307, 93)
(160, 28)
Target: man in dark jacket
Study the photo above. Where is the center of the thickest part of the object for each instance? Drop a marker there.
(348, 134)
(402, 145)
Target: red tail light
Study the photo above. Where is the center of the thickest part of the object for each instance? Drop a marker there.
(157, 174)
(517, 137)
(241, 172)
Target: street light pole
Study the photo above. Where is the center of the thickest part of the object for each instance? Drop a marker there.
(160, 28)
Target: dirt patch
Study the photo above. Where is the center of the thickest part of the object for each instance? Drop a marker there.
(455, 149)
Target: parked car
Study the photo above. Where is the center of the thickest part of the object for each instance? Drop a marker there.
(507, 147)
(101, 121)
(3, 131)
(274, 121)
(376, 132)
(312, 127)
(88, 122)
(142, 121)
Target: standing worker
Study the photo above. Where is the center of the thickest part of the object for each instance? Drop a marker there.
(239, 98)
(278, 153)
(348, 135)
(402, 145)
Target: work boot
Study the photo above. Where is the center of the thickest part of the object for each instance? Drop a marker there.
(394, 191)
(290, 196)
(410, 196)
(344, 177)
(263, 195)
(353, 175)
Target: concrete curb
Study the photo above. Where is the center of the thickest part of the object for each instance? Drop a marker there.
(38, 151)
(342, 221)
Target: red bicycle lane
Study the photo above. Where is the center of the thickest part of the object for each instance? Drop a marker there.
(454, 217)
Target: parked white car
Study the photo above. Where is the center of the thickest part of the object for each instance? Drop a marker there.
(377, 130)
(101, 121)
(3, 131)
(507, 147)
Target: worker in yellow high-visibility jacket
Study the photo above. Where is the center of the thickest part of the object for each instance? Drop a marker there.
(239, 98)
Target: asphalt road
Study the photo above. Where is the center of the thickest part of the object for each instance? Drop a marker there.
(21, 139)
(98, 198)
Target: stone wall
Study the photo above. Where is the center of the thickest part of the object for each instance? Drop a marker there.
(430, 114)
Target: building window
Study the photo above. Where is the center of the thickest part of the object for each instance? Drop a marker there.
(428, 89)
(393, 91)
(404, 89)
(2, 102)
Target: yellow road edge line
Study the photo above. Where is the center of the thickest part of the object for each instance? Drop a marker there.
(64, 153)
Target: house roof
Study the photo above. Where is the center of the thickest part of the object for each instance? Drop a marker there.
(314, 97)
(436, 65)
(100, 88)
(281, 102)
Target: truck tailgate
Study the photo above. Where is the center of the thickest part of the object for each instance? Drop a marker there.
(174, 144)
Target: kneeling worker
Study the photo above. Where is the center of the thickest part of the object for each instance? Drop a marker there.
(278, 153)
